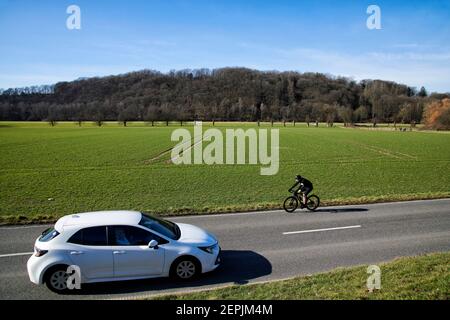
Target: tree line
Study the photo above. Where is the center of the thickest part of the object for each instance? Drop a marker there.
(227, 94)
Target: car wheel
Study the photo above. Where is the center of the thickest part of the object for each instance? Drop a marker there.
(185, 268)
(56, 279)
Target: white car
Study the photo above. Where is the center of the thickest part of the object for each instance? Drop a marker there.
(120, 245)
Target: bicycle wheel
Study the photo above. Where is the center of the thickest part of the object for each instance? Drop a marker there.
(290, 204)
(312, 203)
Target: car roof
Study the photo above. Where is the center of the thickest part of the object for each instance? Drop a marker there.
(99, 218)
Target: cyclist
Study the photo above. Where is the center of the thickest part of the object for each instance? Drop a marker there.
(304, 185)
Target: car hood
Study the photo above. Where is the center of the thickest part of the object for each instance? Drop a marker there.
(195, 235)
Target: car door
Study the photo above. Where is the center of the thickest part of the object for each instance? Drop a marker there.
(131, 254)
(90, 252)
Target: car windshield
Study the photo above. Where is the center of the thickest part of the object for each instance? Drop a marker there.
(164, 227)
(48, 235)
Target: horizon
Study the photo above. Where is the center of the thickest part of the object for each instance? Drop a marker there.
(229, 67)
(411, 48)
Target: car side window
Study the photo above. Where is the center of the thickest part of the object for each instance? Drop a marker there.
(131, 236)
(93, 236)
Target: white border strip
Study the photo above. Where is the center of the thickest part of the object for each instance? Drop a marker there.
(16, 254)
(320, 230)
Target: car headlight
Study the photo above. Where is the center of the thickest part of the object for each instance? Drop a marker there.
(209, 249)
(38, 252)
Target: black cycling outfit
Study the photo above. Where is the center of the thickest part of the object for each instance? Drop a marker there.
(305, 186)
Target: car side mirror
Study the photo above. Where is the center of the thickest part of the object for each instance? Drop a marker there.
(153, 244)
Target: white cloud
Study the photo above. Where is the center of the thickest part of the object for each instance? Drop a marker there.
(405, 45)
(429, 69)
(410, 56)
(415, 67)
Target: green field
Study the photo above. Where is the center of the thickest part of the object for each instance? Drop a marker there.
(110, 167)
(414, 278)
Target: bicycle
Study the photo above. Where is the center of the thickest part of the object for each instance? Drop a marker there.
(291, 203)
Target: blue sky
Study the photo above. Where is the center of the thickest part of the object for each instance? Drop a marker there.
(413, 46)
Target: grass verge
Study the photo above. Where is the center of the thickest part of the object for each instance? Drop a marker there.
(424, 277)
(22, 219)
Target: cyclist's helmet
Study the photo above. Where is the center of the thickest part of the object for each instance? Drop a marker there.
(298, 177)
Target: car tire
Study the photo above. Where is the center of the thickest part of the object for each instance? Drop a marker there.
(185, 268)
(56, 279)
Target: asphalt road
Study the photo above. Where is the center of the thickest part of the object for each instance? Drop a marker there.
(264, 246)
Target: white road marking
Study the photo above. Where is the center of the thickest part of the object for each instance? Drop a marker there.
(320, 230)
(26, 227)
(16, 254)
(231, 214)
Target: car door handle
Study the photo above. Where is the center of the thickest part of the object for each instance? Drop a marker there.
(76, 253)
(119, 252)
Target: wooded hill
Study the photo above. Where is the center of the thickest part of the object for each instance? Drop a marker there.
(228, 94)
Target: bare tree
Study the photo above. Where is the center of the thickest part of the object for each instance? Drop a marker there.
(346, 115)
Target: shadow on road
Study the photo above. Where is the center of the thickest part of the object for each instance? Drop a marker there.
(237, 266)
(331, 210)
